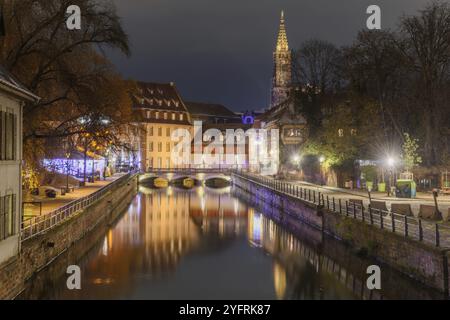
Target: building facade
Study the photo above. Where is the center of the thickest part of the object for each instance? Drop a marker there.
(159, 111)
(13, 96)
(218, 117)
(282, 74)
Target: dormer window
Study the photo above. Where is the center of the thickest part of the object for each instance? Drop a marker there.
(160, 103)
(148, 114)
(181, 117)
(142, 101)
(174, 116)
(177, 104)
(165, 115)
(157, 115)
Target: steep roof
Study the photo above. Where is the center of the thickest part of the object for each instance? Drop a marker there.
(209, 109)
(158, 96)
(12, 85)
(152, 97)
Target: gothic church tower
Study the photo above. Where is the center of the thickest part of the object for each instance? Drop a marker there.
(282, 77)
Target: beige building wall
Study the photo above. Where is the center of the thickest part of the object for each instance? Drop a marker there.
(159, 145)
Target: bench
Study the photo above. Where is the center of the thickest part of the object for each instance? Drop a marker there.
(429, 212)
(378, 205)
(402, 208)
(357, 202)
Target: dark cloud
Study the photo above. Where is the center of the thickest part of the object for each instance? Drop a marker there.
(221, 51)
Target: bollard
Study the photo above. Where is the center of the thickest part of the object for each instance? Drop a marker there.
(381, 219)
(406, 226)
(420, 231)
(437, 236)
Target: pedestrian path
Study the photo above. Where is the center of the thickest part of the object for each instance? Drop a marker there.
(436, 233)
(340, 193)
(43, 205)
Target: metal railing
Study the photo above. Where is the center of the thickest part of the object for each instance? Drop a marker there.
(410, 227)
(191, 170)
(38, 225)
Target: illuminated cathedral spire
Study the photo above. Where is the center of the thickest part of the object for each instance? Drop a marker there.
(282, 42)
(282, 77)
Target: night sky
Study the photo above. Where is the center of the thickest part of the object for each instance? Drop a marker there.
(221, 51)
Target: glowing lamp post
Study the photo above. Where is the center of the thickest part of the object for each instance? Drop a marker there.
(391, 163)
(322, 178)
(67, 171)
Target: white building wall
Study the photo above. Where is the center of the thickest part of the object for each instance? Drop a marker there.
(11, 180)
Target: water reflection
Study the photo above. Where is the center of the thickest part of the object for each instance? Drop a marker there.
(202, 244)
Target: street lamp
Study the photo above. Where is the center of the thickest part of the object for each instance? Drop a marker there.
(296, 159)
(391, 163)
(369, 190)
(322, 175)
(67, 171)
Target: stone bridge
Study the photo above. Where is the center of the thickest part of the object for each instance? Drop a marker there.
(201, 175)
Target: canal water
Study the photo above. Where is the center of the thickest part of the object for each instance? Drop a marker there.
(209, 244)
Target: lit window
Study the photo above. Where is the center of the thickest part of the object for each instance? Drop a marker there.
(165, 115)
(181, 117)
(173, 116)
(157, 115)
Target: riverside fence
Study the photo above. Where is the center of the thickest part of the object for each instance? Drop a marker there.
(38, 225)
(409, 227)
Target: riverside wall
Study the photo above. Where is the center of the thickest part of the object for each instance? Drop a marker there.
(40, 251)
(422, 262)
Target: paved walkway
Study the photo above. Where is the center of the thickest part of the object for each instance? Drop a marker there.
(49, 205)
(340, 193)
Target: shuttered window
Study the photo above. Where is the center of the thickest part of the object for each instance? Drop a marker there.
(8, 136)
(8, 215)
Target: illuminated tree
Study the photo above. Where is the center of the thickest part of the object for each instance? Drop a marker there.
(410, 155)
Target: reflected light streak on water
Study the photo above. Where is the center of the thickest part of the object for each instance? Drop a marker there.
(209, 244)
